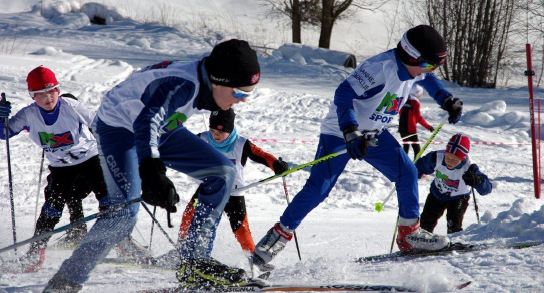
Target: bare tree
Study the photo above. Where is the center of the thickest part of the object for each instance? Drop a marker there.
(299, 11)
(331, 10)
(323, 13)
(476, 33)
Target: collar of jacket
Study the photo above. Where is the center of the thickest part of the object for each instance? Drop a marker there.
(205, 97)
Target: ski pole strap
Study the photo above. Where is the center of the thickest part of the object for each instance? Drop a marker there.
(380, 205)
(71, 225)
(292, 170)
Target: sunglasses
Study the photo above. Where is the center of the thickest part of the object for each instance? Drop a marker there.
(240, 94)
(429, 66)
(45, 90)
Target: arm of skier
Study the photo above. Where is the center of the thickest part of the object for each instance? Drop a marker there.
(445, 99)
(258, 155)
(17, 124)
(426, 164)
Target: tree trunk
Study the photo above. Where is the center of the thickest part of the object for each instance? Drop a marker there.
(327, 23)
(296, 20)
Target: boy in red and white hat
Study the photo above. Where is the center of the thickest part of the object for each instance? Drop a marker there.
(455, 176)
(60, 126)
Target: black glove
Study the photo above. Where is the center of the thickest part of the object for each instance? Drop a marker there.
(471, 178)
(156, 187)
(280, 166)
(454, 106)
(431, 129)
(356, 142)
(5, 109)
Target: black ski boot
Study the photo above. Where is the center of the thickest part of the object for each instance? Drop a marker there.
(209, 273)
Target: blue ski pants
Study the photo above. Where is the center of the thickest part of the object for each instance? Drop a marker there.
(180, 150)
(388, 157)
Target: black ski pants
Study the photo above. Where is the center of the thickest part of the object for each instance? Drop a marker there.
(68, 186)
(434, 209)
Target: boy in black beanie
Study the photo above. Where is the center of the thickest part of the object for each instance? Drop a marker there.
(223, 136)
(364, 105)
(139, 130)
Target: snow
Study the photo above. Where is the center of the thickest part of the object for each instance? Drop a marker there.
(290, 102)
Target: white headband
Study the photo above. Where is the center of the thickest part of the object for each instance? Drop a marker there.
(408, 47)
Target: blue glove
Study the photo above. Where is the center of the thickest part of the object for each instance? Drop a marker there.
(356, 142)
(5, 109)
(454, 106)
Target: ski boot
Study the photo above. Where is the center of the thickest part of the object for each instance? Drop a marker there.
(205, 273)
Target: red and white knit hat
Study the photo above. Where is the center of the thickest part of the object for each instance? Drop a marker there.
(459, 145)
(41, 78)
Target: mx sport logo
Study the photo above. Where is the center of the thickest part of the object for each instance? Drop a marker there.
(55, 141)
(388, 109)
(451, 184)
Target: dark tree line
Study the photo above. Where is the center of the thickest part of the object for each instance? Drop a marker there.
(477, 36)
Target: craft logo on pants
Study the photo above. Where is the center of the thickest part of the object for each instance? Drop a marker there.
(56, 140)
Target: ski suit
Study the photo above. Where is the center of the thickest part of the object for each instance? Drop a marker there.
(71, 150)
(448, 191)
(370, 97)
(143, 117)
(236, 206)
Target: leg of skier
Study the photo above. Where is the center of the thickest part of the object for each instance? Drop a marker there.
(201, 161)
(456, 213)
(390, 159)
(120, 166)
(322, 179)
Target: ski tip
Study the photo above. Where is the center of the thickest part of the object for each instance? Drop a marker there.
(464, 285)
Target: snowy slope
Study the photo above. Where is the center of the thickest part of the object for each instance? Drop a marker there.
(290, 103)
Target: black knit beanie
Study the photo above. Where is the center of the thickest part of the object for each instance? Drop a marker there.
(234, 64)
(422, 44)
(223, 120)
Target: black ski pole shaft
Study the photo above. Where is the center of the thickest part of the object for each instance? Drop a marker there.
(72, 225)
(152, 226)
(476, 205)
(10, 178)
(288, 203)
(158, 224)
(39, 187)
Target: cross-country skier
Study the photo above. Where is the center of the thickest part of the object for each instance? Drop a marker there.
(364, 104)
(223, 136)
(140, 132)
(409, 116)
(455, 176)
(60, 126)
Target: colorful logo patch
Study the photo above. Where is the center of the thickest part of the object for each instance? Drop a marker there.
(444, 178)
(174, 121)
(56, 140)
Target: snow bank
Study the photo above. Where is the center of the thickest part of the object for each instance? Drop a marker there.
(520, 223)
(71, 13)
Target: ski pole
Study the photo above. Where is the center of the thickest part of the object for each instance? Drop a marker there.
(39, 187)
(476, 206)
(288, 203)
(379, 206)
(152, 226)
(10, 178)
(72, 225)
(403, 138)
(158, 225)
(292, 170)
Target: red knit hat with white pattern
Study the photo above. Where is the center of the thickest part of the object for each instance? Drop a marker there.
(459, 145)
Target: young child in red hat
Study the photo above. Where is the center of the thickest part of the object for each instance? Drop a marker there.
(59, 124)
(455, 176)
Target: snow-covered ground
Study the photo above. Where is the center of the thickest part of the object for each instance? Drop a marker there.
(290, 103)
